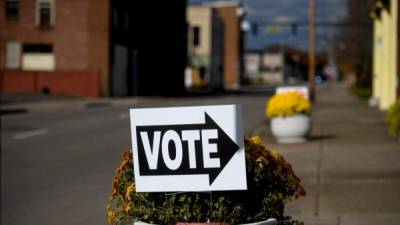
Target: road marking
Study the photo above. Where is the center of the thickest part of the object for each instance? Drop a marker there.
(31, 133)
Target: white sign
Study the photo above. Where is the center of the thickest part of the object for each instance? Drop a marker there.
(196, 148)
(303, 90)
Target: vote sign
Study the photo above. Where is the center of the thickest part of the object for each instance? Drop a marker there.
(188, 149)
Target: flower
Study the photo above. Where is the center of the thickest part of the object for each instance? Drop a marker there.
(271, 181)
(127, 206)
(111, 214)
(129, 190)
(276, 154)
(256, 140)
(287, 104)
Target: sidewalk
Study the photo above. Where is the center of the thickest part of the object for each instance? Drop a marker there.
(350, 169)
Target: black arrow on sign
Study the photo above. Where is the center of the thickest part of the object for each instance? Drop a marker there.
(226, 148)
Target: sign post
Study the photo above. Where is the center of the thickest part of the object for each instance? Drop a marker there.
(188, 149)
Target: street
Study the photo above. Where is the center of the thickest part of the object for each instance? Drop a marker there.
(57, 164)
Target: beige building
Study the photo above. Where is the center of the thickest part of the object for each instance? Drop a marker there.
(272, 67)
(386, 65)
(252, 62)
(205, 47)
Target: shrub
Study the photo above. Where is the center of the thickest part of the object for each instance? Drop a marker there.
(361, 91)
(393, 119)
(271, 183)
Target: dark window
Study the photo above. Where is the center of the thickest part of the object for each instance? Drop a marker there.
(37, 48)
(12, 8)
(196, 36)
(115, 18)
(202, 72)
(45, 14)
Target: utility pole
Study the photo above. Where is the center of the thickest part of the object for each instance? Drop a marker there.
(311, 49)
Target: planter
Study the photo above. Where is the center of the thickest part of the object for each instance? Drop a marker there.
(291, 129)
(199, 224)
(270, 221)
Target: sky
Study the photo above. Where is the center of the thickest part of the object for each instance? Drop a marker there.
(268, 11)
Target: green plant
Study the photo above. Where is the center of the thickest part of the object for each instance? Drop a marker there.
(393, 119)
(363, 92)
(270, 179)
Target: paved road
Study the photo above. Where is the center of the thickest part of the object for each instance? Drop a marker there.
(57, 164)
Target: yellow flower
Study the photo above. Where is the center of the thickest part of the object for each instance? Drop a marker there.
(123, 164)
(276, 154)
(256, 140)
(260, 159)
(127, 206)
(115, 183)
(111, 216)
(280, 196)
(127, 155)
(129, 190)
(118, 170)
(287, 104)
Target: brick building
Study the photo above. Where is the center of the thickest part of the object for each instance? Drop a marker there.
(230, 13)
(69, 46)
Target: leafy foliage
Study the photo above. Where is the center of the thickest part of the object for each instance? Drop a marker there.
(271, 183)
(363, 92)
(393, 119)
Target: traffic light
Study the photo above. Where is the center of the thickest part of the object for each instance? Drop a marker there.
(254, 28)
(294, 29)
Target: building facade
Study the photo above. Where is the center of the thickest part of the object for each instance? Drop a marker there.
(231, 15)
(205, 47)
(272, 67)
(62, 45)
(386, 71)
(93, 47)
(148, 47)
(252, 63)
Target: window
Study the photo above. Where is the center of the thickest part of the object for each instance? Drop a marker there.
(13, 55)
(12, 8)
(115, 18)
(38, 57)
(38, 48)
(196, 36)
(45, 13)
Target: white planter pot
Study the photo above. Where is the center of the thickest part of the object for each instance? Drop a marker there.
(291, 129)
(271, 221)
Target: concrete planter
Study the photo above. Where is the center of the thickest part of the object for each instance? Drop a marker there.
(270, 221)
(291, 129)
(200, 224)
